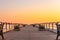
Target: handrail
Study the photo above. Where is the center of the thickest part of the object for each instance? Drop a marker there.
(8, 26)
(50, 26)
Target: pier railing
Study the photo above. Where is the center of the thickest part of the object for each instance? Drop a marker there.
(50, 26)
(8, 26)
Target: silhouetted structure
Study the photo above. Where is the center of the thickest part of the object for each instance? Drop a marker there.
(58, 30)
(1, 30)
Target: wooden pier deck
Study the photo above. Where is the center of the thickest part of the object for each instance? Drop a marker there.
(29, 33)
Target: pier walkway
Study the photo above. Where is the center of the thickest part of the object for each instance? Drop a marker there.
(29, 33)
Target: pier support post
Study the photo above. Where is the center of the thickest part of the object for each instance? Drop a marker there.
(52, 26)
(46, 26)
(6, 27)
(9, 26)
(49, 26)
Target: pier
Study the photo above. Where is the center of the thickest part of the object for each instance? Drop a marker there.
(30, 32)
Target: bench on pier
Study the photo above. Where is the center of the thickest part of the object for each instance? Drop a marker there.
(41, 27)
(33, 25)
(24, 25)
(16, 27)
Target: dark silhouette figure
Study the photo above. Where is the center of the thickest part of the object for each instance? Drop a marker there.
(1, 30)
(58, 30)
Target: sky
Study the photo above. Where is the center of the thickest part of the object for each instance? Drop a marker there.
(29, 11)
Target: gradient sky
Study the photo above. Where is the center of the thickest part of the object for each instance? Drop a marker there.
(29, 11)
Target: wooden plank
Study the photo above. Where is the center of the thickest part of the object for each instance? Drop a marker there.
(30, 33)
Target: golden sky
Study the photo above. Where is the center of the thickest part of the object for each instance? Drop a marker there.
(29, 11)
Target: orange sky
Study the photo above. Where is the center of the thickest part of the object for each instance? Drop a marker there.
(35, 11)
